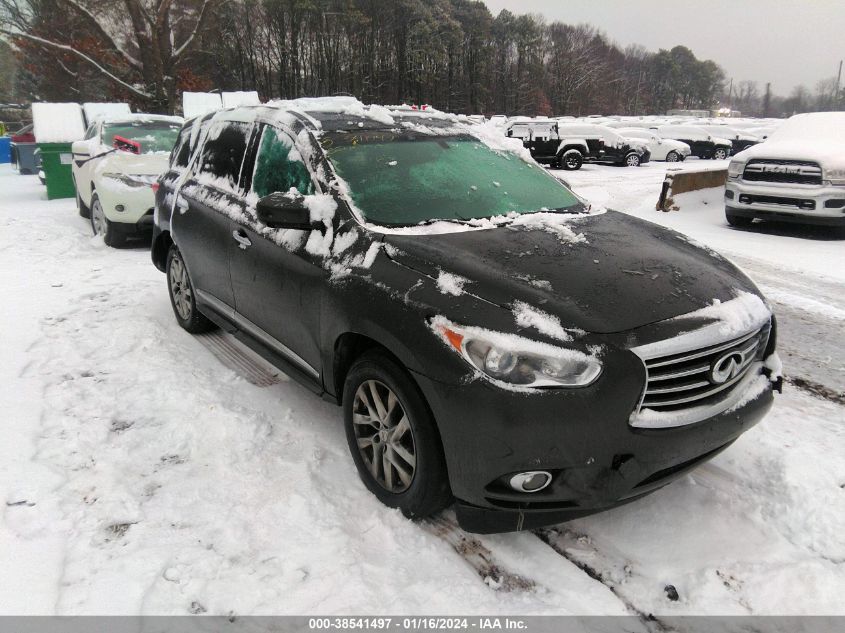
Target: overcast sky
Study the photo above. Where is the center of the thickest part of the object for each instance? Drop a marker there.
(786, 42)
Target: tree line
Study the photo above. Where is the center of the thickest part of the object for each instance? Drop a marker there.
(452, 54)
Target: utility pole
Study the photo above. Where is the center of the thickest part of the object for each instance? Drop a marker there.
(731, 95)
(767, 100)
(836, 94)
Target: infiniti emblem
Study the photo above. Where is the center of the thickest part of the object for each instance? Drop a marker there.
(726, 367)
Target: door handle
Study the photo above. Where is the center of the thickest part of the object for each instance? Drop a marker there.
(242, 240)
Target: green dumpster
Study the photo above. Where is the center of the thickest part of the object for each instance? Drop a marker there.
(56, 159)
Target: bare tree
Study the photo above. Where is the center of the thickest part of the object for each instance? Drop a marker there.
(140, 44)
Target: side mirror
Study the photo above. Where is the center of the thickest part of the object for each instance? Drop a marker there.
(80, 148)
(284, 211)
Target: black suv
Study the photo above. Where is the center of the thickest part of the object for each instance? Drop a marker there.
(478, 324)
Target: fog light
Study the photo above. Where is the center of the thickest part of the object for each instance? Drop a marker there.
(729, 194)
(834, 204)
(119, 208)
(532, 481)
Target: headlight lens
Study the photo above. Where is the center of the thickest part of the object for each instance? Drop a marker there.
(835, 176)
(134, 181)
(735, 168)
(514, 361)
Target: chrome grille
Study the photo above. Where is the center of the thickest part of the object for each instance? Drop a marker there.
(684, 379)
(783, 171)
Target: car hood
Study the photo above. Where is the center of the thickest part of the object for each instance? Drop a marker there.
(135, 164)
(622, 273)
(828, 153)
(677, 145)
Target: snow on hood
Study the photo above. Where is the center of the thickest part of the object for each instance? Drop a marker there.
(816, 136)
(828, 152)
(134, 164)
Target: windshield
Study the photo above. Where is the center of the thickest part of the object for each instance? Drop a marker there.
(402, 180)
(153, 136)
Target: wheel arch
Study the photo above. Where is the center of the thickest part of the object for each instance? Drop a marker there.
(159, 249)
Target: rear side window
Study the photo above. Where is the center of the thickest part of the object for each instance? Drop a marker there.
(224, 151)
(182, 150)
(279, 166)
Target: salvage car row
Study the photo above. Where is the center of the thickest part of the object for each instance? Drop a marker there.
(439, 286)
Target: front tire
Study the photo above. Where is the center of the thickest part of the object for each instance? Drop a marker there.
(720, 154)
(738, 221)
(393, 438)
(673, 157)
(632, 160)
(101, 225)
(571, 161)
(182, 298)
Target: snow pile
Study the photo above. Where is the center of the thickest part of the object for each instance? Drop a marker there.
(199, 103)
(57, 122)
(240, 98)
(451, 284)
(94, 111)
(322, 208)
(530, 317)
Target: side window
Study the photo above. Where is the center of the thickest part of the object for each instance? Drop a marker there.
(278, 166)
(181, 153)
(224, 151)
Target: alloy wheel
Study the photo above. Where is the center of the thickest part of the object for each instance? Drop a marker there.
(672, 157)
(632, 160)
(720, 154)
(98, 218)
(180, 287)
(384, 435)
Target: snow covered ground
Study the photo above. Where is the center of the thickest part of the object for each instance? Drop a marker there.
(143, 470)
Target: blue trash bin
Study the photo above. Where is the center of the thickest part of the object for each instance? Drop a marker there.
(5, 149)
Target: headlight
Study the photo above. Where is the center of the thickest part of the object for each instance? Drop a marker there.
(835, 176)
(735, 169)
(132, 181)
(514, 361)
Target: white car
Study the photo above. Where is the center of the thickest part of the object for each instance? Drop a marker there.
(667, 149)
(114, 168)
(797, 175)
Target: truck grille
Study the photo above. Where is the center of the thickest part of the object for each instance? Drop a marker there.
(684, 379)
(783, 171)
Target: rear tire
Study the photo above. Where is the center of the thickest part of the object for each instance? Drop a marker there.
(739, 221)
(393, 437)
(571, 161)
(181, 292)
(101, 225)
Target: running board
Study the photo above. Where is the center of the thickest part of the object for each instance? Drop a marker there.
(240, 359)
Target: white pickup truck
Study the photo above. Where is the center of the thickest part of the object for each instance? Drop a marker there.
(797, 175)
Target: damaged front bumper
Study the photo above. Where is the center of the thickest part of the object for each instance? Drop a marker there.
(582, 437)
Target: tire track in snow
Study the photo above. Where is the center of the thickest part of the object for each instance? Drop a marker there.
(608, 569)
(477, 555)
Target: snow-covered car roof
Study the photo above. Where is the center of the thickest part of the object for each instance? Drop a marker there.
(141, 117)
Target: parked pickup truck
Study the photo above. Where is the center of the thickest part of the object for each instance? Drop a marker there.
(797, 175)
(566, 145)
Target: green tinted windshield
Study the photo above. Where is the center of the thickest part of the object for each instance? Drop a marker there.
(397, 179)
(154, 136)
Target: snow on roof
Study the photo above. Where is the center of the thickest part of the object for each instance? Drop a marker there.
(94, 111)
(197, 103)
(240, 98)
(57, 122)
(812, 126)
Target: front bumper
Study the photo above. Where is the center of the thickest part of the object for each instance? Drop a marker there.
(130, 207)
(581, 436)
(808, 204)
